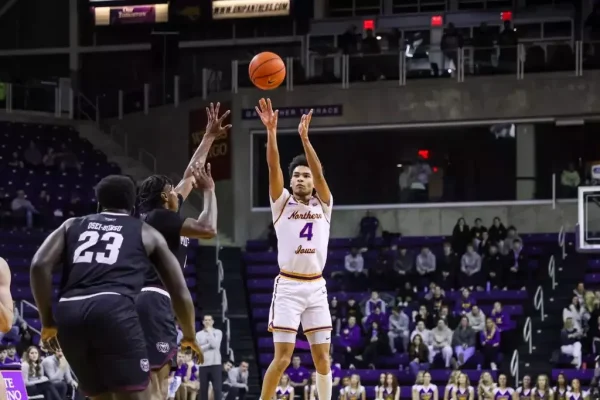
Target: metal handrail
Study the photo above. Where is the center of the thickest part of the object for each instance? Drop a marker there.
(514, 366)
(527, 337)
(552, 271)
(221, 275)
(143, 153)
(538, 301)
(562, 237)
(21, 309)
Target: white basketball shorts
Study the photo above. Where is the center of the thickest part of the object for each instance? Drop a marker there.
(298, 302)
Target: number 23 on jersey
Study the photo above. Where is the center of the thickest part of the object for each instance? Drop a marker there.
(110, 255)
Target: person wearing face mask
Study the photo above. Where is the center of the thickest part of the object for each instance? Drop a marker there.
(447, 265)
(517, 264)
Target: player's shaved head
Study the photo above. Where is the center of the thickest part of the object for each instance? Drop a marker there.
(116, 192)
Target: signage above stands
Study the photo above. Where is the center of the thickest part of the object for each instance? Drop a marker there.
(460, 19)
(233, 9)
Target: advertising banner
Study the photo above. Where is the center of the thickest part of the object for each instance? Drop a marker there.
(229, 9)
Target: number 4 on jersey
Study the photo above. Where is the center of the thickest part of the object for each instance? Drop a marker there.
(306, 232)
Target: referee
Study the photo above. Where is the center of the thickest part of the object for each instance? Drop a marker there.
(209, 340)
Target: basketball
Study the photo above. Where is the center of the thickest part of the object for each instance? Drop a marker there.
(266, 70)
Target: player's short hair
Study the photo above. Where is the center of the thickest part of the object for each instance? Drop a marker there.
(152, 187)
(299, 160)
(116, 192)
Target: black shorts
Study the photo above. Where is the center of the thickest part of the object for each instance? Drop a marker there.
(158, 324)
(103, 341)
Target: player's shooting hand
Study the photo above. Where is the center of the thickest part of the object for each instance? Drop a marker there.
(192, 345)
(267, 115)
(214, 124)
(202, 177)
(49, 339)
(304, 124)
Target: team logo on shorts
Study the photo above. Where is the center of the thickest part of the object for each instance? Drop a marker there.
(163, 347)
(145, 364)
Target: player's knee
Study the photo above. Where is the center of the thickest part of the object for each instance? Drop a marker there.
(322, 362)
(282, 361)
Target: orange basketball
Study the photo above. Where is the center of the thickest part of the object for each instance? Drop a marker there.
(266, 70)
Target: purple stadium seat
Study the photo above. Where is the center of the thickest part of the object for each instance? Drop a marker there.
(584, 375)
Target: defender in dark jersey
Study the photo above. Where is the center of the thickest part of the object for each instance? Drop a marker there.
(104, 258)
(160, 203)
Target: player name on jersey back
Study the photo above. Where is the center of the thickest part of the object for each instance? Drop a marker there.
(97, 226)
(302, 234)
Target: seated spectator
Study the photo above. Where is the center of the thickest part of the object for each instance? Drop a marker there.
(352, 309)
(285, 390)
(470, 270)
(368, 230)
(236, 383)
(569, 181)
(593, 333)
(58, 371)
(512, 235)
(463, 341)
(75, 208)
(354, 391)
(447, 265)
(425, 267)
(49, 217)
(497, 231)
(465, 303)
(376, 344)
(493, 267)
(335, 309)
(570, 339)
(579, 291)
(190, 381)
(422, 331)
(403, 266)
(499, 316)
(436, 300)
(476, 319)
(350, 340)
(15, 161)
(445, 315)
(67, 159)
(399, 325)
(336, 374)
(36, 382)
(355, 277)
(12, 357)
(418, 354)
(3, 356)
(477, 232)
(424, 316)
(32, 155)
(13, 335)
(441, 343)
(176, 376)
(562, 388)
(490, 344)
(484, 245)
(23, 210)
(298, 375)
(377, 316)
(461, 236)
(48, 159)
(379, 273)
(374, 302)
(485, 386)
(517, 267)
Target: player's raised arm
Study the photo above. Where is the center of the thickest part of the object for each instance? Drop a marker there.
(170, 273)
(269, 120)
(205, 227)
(45, 259)
(214, 129)
(6, 301)
(313, 161)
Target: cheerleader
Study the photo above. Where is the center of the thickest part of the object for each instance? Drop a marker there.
(576, 393)
(380, 386)
(542, 389)
(391, 390)
(451, 385)
(463, 389)
(355, 391)
(525, 391)
(310, 390)
(427, 390)
(502, 391)
(485, 387)
(561, 389)
(284, 391)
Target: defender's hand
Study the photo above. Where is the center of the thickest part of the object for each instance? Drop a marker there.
(214, 124)
(192, 344)
(49, 339)
(267, 115)
(202, 177)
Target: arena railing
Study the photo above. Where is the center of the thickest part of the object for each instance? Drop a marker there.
(224, 302)
(552, 271)
(527, 334)
(22, 305)
(514, 366)
(562, 237)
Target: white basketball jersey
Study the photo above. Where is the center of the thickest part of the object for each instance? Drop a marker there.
(302, 234)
